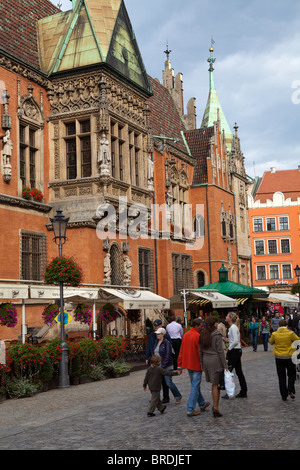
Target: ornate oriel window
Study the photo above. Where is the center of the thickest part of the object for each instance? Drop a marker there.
(78, 149)
(117, 150)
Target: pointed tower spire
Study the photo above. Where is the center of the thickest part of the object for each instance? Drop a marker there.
(213, 111)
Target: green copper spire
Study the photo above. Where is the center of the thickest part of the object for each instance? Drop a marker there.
(213, 110)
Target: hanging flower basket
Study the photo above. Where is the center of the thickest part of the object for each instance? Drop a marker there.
(108, 313)
(8, 315)
(63, 269)
(49, 313)
(134, 315)
(83, 314)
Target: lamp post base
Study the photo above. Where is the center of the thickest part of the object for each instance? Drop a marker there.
(63, 378)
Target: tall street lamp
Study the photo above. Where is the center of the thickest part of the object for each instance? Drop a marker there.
(297, 274)
(59, 225)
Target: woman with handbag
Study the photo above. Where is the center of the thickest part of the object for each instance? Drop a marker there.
(234, 354)
(212, 358)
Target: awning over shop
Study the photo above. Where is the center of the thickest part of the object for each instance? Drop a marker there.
(202, 298)
(134, 299)
(13, 291)
(49, 292)
(286, 300)
(217, 300)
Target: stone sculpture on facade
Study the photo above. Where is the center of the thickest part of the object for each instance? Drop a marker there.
(6, 157)
(107, 269)
(150, 173)
(127, 270)
(104, 157)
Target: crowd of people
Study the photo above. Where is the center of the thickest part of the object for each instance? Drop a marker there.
(213, 346)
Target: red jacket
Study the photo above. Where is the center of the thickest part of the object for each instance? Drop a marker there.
(189, 357)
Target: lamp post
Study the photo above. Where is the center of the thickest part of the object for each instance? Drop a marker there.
(59, 225)
(297, 274)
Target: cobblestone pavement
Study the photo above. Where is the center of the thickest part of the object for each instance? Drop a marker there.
(111, 415)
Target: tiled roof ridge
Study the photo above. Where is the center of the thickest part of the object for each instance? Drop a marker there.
(168, 115)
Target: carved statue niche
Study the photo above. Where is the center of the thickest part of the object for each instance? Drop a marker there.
(107, 269)
(104, 156)
(150, 173)
(6, 157)
(127, 270)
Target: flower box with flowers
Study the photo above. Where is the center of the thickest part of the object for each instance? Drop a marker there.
(37, 195)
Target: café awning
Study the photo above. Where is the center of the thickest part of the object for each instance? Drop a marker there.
(202, 298)
(134, 299)
(13, 291)
(286, 300)
(217, 300)
(53, 292)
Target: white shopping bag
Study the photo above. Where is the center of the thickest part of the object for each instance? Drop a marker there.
(229, 383)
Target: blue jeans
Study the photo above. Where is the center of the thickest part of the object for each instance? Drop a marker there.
(195, 395)
(253, 334)
(172, 387)
(265, 339)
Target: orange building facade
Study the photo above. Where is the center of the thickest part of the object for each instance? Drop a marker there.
(274, 219)
(89, 130)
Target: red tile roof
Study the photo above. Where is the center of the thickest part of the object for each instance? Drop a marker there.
(164, 117)
(18, 33)
(198, 141)
(285, 181)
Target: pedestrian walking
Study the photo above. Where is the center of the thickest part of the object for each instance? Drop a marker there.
(189, 358)
(213, 359)
(163, 348)
(175, 331)
(264, 331)
(149, 352)
(223, 330)
(153, 379)
(275, 321)
(253, 329)
(283, 339)
(234, 354)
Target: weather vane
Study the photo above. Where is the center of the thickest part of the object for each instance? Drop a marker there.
(167, 51)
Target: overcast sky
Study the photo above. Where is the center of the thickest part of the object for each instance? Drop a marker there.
(257, 68)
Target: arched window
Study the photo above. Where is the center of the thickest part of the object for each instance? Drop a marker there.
(116, 264)
(200, 279)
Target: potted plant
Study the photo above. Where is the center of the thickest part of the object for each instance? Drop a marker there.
(49, 313)
(8, 315)
(37, 195)
(83, 314)
(63, 269)
(26, 192)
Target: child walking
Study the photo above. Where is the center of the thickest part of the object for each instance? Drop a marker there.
(153, 379)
